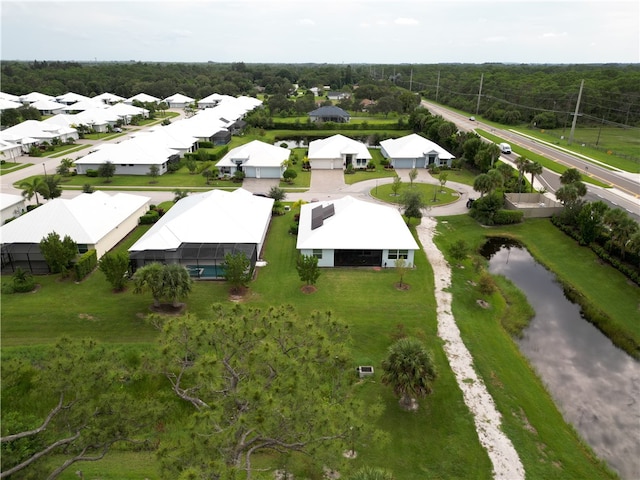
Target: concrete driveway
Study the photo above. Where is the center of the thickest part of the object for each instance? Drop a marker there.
(260, 185)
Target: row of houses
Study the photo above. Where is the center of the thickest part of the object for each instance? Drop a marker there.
(199, 230)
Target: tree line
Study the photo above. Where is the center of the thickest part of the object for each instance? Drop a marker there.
(509, 94)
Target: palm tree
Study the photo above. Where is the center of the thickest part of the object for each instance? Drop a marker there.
(534, 168)
(483, 183)
(521, 165)
(36, 186)
(66, 164)
(622, 228)
(409, 369)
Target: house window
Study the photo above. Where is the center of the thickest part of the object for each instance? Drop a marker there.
(83, 248)
(317, 252)
(361, 162)
(396, 254)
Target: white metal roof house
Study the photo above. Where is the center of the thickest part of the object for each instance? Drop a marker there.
(47, 107)
(10, 97)
(349, 233)
(32, 132)
(6, 104)
(94, 221)
(70, 97)
(126, 112)
(212, 100)
(142, 97)
(178, 100)
(329, 114)
(109, 98)
(132, 157)
(256, 159)
(201, 229)
(34, 97)
(336, 152)
(415, 151)
(81, 106)
(10, 206)
(9, 151)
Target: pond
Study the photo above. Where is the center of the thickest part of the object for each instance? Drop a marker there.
(595, 385)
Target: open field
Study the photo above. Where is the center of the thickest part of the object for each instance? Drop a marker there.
(368, 301)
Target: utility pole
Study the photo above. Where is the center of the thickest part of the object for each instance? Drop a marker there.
(575, 115)
(479, 94)
(411, 81)
(438, 86)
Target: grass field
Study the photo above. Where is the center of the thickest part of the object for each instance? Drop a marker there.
(432, 195)
(439, 441)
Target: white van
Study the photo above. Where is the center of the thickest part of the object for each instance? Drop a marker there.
(505, 148)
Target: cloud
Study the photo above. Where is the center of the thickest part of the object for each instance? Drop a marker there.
(306, 21)
(496, 39)
(554, 35)
(406, 21)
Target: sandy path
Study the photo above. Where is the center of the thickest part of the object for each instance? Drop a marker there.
(505, 459)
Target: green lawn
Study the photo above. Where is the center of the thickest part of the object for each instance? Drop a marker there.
(10, 167)
(442, 195)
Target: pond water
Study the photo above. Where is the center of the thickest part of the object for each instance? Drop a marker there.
(595, 384)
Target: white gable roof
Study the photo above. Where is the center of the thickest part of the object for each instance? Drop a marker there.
(134, 152)
(142, 97)
(8, 200)
(71, 97)
(356, 224)
(109, 97)
(178, 98)
(35, 96)
(216, 216)
(44, 105)
(29, 129)
(6, 104)
(413, 146)
(170, 138)
(336, 146)
(123, 110)
(88, 104)
(256, 154)
(86, 218)
(10, 97)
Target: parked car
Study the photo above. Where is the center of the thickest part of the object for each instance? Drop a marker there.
(473, 119)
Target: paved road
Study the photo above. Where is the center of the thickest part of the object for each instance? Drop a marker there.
(625, 193)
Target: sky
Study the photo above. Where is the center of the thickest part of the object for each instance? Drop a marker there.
(323, 31)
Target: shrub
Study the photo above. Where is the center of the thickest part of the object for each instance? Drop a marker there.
(205, 144)
(92, 173)
(149, 218)
(238, 176)
(293, 229)
(459, 250)
(85, 264)
(21, 281)
(507, 217)
(486, 284)
(349, 170)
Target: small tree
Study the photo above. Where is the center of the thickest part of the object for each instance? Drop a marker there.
(413, 205)
(107, 170)
(238, 176)
(396, 186)
(191, 165)
(413, 174)
(237, 271)
(409, 370)
(289, 175)
(64, 169)
(179, 194)
(154, 171)
(459, 250)
(401, 267)
(58, 253)
(442, 178)
(115, 267)
(87, 188)
(166, 282)
(277, 193)
(308, 270)
(483, 184)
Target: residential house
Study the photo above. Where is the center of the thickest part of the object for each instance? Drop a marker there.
(142, 97)
(201, 229)
(47, 107)
(29, 98)
(178, 100)
(337, 96)
(109, 98)
(11, 206)
(256, 159)
(33, 132)
(337, 152)
(94, 221)
(415, 151)
(71, 98)
(6, 104)
(353, 233)
(329, 114)
(9, 150)
(131, 157)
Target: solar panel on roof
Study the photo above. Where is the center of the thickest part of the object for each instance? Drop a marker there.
(328, 211)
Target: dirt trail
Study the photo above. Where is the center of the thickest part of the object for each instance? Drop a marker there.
(505, 459)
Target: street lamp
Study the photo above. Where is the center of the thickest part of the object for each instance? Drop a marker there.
(45, 169)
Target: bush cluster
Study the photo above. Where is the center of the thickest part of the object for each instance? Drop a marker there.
(85, 264)
(92, 173)
(507, 217)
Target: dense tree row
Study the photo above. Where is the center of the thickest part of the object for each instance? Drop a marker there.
(544, 94)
